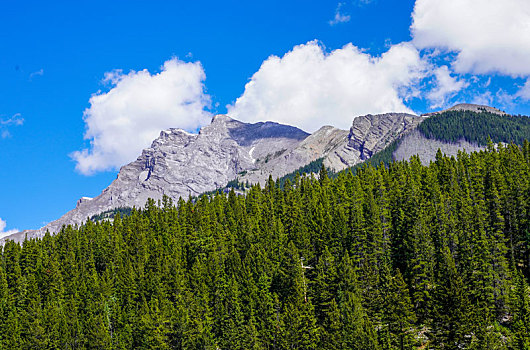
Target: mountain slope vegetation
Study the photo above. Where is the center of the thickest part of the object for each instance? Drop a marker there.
(400, 257)
(452, 126)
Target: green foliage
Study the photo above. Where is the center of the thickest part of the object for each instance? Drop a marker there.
(385, 156)
(453, 126)
(110, 214)
(311, 168)
(399, 257)
(234, 184)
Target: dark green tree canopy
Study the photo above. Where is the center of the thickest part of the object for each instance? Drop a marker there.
(399, 257)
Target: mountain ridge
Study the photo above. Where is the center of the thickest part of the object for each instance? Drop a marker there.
(181, 164)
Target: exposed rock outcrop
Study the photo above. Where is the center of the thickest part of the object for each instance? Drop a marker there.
(180, 164)
(320, 144)
(340, 149)
(370, 134)
(417, 144)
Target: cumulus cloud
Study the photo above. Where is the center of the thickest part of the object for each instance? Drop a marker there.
(339, 17)
(126, 119)
(3, 227)
(446, 87)
(490, 36)
(308, 87)
(15, 120)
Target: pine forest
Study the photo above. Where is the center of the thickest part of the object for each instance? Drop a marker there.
(404, 256)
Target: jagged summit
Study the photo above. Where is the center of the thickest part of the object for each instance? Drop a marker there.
(338, 148)
(221, 118)
(180, 164)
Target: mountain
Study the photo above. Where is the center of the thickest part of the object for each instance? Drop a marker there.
(462, 127)
(339, 149)
(180, 164)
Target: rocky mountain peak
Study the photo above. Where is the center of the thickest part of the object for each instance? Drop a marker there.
(369, 134)
(180, 164)
(470, 107)
(221, 118)
(171, 136)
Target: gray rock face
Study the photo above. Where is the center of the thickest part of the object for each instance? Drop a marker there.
(340, 149)
(368, 135)
(180, 164)
(372, 133)
(319, 144)
(416, 144)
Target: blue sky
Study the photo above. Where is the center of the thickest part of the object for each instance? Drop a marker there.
(337, 59)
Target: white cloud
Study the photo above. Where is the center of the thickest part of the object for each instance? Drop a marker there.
(485, 98)
(40, 72)
(126, 119)
(3, 227)
(339, 17)
(446, 87)
(505, 99)
(524, 92)
(489, 36)
(15, 120)
(309, 88)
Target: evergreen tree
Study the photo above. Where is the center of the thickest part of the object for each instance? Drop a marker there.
(398, 314)
(520, 304)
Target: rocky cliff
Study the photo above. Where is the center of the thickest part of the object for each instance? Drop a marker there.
(180, 164)
(372, 133)
(340, 149)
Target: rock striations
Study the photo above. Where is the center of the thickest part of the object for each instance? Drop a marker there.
(180, 164)
(340, 149)
(372, 133)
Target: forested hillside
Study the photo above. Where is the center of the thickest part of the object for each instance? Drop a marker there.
(313, 167)
(404, 257)
(452, 126)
